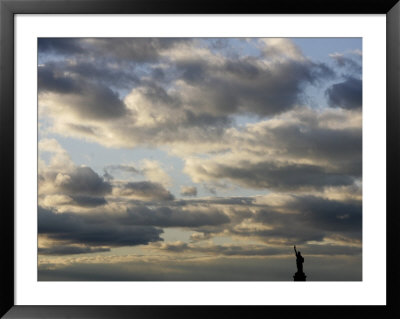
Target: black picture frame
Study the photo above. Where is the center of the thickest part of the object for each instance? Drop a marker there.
(9, 8)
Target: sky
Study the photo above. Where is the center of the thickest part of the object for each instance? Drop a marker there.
(199, 159)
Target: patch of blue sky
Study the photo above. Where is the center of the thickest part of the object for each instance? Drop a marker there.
(84, 153)
(44, 124)
(42, 132)
(314, 95)
(242, 120)
(319, 49)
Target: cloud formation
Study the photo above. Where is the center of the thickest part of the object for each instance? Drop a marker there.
(79, 229)
(204, 92)
(61, 182)
(144, 190)
(188, 190)
(69, 250)
(300, 150)
(269, 175)
(80, 98)
(254, 250)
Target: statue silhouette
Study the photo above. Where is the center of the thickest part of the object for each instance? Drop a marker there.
(299, 275)
(299, 260)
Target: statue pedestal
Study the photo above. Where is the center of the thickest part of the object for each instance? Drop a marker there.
(299, 276)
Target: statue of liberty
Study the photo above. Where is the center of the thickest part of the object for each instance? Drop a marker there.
(299, 275)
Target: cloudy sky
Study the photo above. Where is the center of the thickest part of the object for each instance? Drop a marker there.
(206, 159)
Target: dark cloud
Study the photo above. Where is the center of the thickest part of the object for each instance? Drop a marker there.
(116, 63)
(68, 77)
(175, 217)
(99, 73)
(245, 68)
(88, 201)
(49, 80)
(243, 86)
(70, 250)
(213, 122)
(135, 227)
(146, 190)
(276, 176)
(93, 230)
(297, 219)
(341, 148)
(329, 215)
(347, 94)
(82, 181)
(292, 219)
(311, 219)
(91, 100)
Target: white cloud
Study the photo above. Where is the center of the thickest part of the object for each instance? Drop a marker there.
(154, 172)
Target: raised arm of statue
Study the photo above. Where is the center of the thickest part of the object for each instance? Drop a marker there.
(295, 251)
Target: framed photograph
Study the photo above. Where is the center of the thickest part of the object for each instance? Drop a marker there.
(167, 159)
